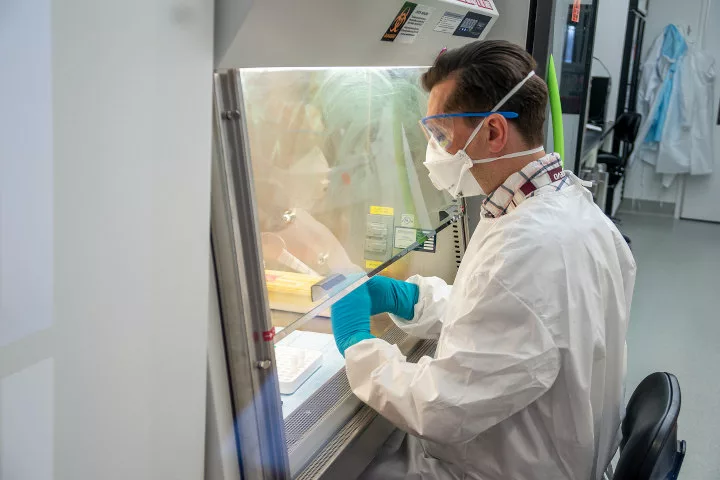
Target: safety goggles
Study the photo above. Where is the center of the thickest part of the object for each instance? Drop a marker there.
(440, 127)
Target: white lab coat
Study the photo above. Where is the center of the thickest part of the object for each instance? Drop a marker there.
(687, 134)
(700, 72)
(528, 377)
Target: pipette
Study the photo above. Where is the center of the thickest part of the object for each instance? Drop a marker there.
(274, 247)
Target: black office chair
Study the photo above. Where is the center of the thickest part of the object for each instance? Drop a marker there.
(649, 449)
(626, 129)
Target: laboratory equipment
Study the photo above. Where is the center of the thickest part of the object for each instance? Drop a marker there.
(598, 100)
(275, 248)
(574, 73)
(295, 365)
(318, 154)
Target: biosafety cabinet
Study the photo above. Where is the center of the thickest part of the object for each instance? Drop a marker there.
(318, 185)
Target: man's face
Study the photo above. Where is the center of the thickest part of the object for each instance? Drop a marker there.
(461, 128)
(436, 106)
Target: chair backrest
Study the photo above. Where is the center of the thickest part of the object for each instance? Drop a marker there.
(627, 127)
(649, 446)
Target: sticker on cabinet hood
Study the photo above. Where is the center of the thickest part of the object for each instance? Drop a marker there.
(449, 22)
(472, 25)
(407, 24)
(399, 22)
(483, 4)
(414, 24)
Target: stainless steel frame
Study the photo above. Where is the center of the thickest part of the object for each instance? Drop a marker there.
(243, 298)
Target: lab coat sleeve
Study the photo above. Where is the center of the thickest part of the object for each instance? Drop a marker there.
(429, 310)
(495, 358)
(685, 91)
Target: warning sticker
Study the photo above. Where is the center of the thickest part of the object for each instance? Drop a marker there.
(407, 220)
(375, 210)
(372, 264)
(449, 22)
(414, 24)
(472, 25)
(404, 237)
(399, 22)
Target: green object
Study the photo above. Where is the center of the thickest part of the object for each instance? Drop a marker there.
(556, 111)
(393, 296)
(350, 318)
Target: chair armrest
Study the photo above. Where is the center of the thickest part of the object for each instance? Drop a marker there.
(609, 159)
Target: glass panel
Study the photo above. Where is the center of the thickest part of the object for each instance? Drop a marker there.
(341, 193)
(341, 190)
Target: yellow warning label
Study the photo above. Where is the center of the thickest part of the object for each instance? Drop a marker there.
(382, 211)
(371, 264)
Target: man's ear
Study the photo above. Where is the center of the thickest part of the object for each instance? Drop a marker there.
(498, 130)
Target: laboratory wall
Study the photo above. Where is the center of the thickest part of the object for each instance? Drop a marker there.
(641, 182)
(608, 47)
(105, 134)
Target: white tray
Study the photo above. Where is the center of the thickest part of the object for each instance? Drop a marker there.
(295, 365)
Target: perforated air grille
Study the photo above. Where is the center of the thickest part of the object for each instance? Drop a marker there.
(331, 450)
(357, 424)
(310, 412)
(394, 335)
(457, 243)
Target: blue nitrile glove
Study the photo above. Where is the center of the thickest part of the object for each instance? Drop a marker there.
(351, 318)
(394, 296)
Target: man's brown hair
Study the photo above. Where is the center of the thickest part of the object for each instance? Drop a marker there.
(485, 72)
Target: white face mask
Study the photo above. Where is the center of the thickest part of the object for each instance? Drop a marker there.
(451, 171)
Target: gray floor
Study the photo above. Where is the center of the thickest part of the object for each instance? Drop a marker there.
(675, 326)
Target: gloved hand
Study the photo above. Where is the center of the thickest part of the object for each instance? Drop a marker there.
(394, 296)
(351, 319)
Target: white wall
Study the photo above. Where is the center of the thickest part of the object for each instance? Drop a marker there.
(110, 102)
(642, 183)
(26, 221)
(609, 44)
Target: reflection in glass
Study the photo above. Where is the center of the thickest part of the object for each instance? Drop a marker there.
(337, 165)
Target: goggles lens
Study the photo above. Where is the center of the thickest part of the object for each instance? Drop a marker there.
(440, 127)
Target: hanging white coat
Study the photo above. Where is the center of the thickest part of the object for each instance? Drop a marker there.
(686, 143)
(700, 73)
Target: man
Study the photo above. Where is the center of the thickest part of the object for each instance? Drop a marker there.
(527, 379)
